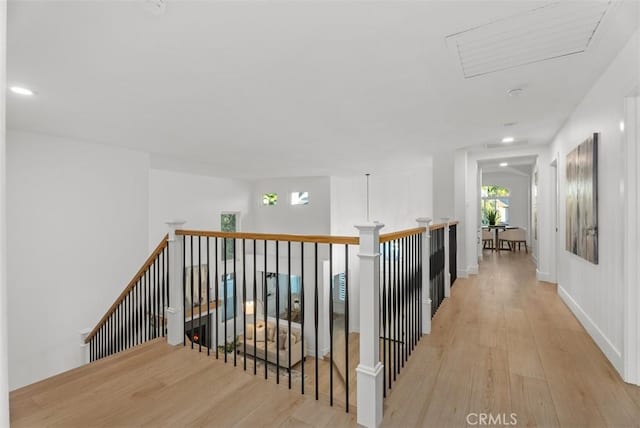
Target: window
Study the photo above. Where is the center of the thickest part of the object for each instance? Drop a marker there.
(300, 198)
(269, 199)
(228, 283)
(495, 205)
(339, 287)
(228, 223)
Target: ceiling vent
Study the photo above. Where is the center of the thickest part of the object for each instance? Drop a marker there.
(551, 31)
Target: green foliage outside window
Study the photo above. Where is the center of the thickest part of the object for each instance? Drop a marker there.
(228, 224)
(270, 199)
(494, 205)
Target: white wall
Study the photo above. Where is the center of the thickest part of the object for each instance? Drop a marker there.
(77, 232)
(310, 219)
(396, 199)
(595, 293)
(197, 199)
(519, 197)
(443, 193)
(4, 371)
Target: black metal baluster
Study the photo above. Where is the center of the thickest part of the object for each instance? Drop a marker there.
(405, 300)
(383, 300)
(140, 311)
(244, 305)
(289, 309)
(255, 311)
(184, 287)
(331, 324)
(389, 311)
(265, 301)
(224, 295)
(302, 313)
(235, 304)
(396, 297)
(346, 323)
(215, 292)
(199, 293)
(208, 332)
(277, 312)
(192, 325)
(163, 284)
(157, 294)
(315, 316)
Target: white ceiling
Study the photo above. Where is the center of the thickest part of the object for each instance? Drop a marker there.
(265, 88)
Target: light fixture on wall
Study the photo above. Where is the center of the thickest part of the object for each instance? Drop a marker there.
(508, 140)
(622, 126)
(21, 91)
(503, 164)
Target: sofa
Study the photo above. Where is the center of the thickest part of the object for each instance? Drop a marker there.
(272, 353)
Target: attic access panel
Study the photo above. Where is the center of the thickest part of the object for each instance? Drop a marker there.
(551, 31)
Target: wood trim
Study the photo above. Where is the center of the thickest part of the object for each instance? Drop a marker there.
(401, 234)
(453, 223)
(320, 239)
(437, 226)
(150, 260)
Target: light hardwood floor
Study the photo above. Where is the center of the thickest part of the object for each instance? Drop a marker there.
(158, 385)
(505, 343)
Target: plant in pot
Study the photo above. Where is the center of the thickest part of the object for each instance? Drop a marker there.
(493, 216)
(230, 346)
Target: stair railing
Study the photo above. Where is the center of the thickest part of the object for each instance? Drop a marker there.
(138, 314)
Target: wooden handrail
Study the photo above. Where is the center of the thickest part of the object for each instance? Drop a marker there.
(401, 234)
(453, 223)
(320, 239)
(150, 260)
(437, 226)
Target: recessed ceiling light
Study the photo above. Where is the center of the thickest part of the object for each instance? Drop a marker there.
(21, 91)
(621, 126)
(503, 164)
(508, 140)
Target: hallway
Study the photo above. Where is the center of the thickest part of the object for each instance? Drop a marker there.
(502, 344)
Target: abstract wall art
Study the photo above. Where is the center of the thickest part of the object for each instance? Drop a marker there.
(582, 200)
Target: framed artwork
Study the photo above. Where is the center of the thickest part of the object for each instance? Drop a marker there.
(582, 200)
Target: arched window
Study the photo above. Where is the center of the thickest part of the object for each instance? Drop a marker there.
(495, 205)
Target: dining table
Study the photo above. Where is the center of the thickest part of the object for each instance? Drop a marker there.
(497, 228)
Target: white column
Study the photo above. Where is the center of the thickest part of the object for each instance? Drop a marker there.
(447, 274)
(84, 347)
(175, 312)
(426, 283)
(370, 370)
(4, 365)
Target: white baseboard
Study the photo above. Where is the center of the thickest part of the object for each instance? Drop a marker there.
(472, 270)
(462, 273)
(544, 276)
(611, 352)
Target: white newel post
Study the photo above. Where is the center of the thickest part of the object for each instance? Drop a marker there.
(175, 315)
(447, 274)
(370, 370)
(84, 347)
(426, 283)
